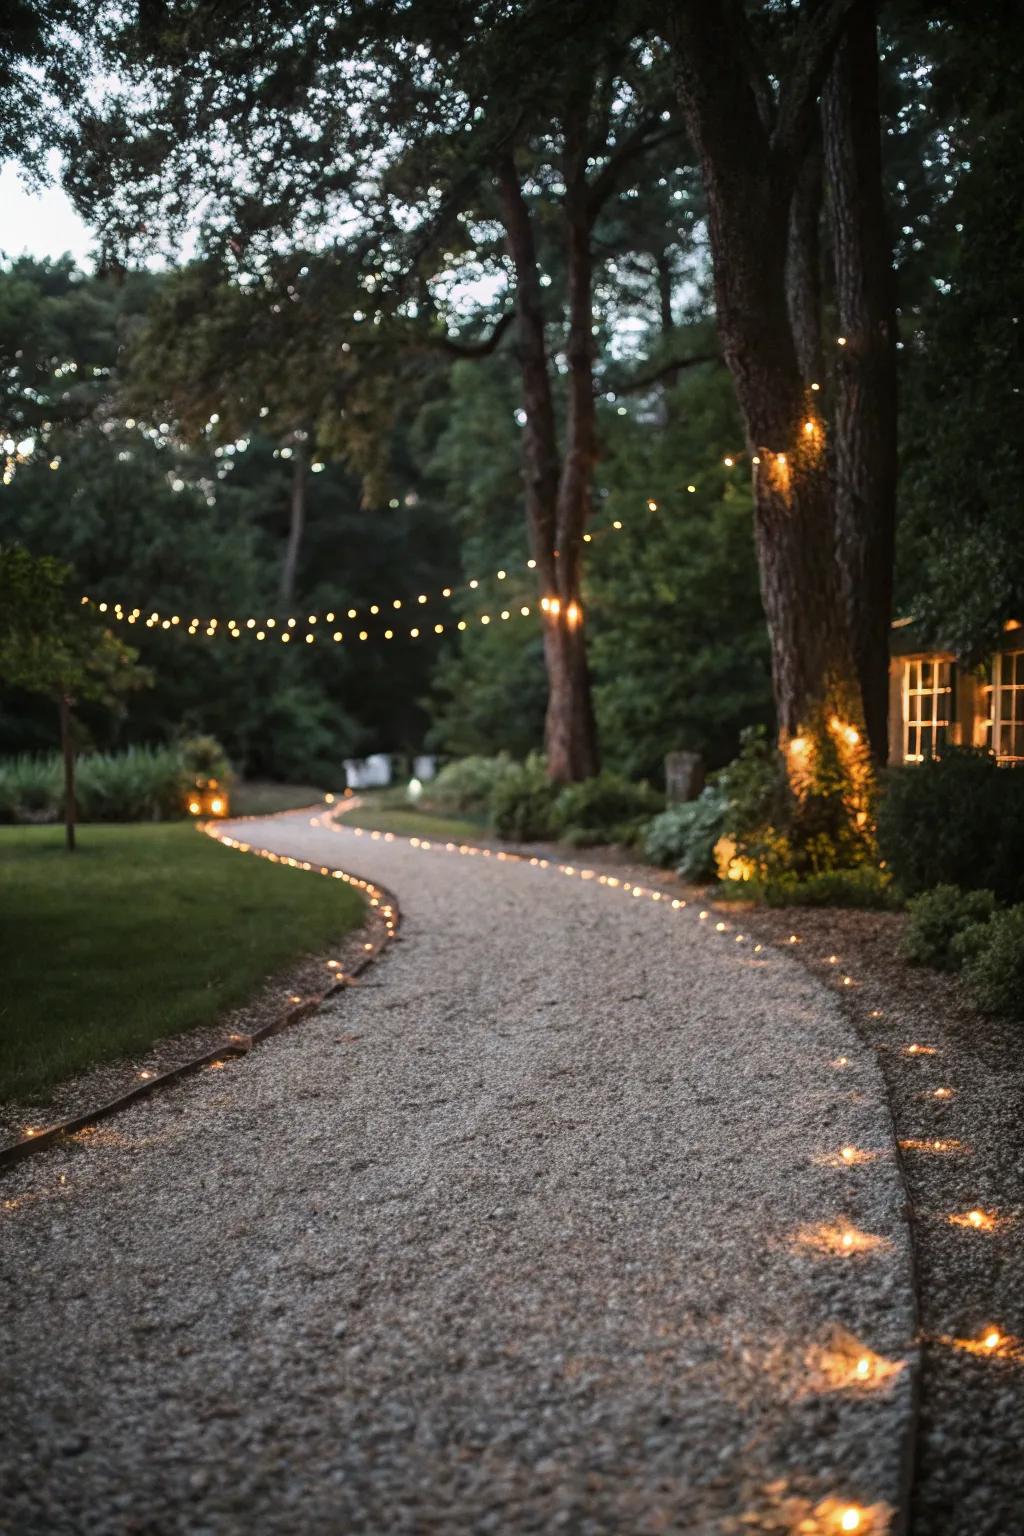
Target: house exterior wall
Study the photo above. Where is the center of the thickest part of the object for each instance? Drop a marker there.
(971, 702)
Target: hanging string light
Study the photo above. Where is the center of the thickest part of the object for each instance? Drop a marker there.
(260, 628)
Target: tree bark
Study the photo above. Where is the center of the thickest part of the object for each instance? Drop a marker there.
(749, 178)
(68, 751)
(557, 492)
(803, 266)
(865, 410)
(296, 525)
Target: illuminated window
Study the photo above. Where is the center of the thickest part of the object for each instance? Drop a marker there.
(1006, 714)
(927, 696)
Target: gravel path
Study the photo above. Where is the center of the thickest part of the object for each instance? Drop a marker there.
(539, 1229)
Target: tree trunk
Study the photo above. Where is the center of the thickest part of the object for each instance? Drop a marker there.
(557, 502)
(68, 750)
(749, 185)
(296, 524)
(865, 412)
(803, 267)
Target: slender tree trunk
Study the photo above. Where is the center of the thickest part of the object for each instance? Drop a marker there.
(296, 524)
(865, 411)
(68, 751)
(557, 498)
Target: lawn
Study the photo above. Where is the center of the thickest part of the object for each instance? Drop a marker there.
(145, 931)
(390, 810)
(257, 798)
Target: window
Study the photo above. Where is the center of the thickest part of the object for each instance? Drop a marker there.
(927, 696)
(1006, 714)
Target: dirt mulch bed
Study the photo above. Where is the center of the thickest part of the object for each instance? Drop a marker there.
(970, 1475)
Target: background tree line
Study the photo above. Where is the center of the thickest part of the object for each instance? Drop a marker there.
(455, 439)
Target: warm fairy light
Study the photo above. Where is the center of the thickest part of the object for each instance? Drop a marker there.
(833, 959)
(194, 807)
(919, 1050)
(798, 745)
(992, 1339)
(652, 506)
(573, 615)
(942, 1093)
(728, 462)
(815, 386)
(793, 939)
(840, 341)
(935, 1145)
(216, 806)
(809, 428)
(847, 1157)
(848, 981)
(850, 1519)
(146, 1075)
(977, 1220)
(841, 1061)
(838, 1240)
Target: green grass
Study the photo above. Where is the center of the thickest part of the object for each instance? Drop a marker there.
(389, 810)
(145, 931)
(263, 799)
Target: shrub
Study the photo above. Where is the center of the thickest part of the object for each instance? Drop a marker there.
(142, 784)
(605, 809)
(468, 784)
(955, 820)
(863, 886)
(204, 758)
(937, 919)
(685, 835)
(30, 789)
(523, 802)
(994, 973)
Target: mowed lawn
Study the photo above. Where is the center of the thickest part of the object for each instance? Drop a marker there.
(144, 931)
(390, 810)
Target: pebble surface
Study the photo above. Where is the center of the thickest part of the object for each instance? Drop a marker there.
(537, 1229)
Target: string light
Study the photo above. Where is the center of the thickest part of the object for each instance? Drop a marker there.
(446, 593)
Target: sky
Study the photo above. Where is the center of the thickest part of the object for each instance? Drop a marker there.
(39, 223)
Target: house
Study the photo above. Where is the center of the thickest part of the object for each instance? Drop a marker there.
(933, 700)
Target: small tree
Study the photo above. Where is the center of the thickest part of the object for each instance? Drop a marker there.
(52, 643)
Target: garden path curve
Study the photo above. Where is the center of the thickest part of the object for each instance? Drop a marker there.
(540, 1228)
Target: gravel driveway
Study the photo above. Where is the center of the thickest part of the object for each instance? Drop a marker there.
(539, 1229)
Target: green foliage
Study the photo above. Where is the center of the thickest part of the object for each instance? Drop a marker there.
(140, 784)
(685, 835)
(936, 920)
(678, 647)
(50, 643)
(955, 820)
(993, 970)
(523, 802)
(468, 784)
(961, 557)
(862, 886)
(30, 788)
(204, 758)
(604, 809)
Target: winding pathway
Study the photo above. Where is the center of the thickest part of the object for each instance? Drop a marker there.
(543, 1227)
